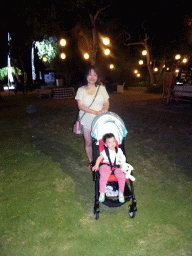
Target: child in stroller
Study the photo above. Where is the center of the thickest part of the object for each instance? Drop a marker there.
(110, 163)
(110, 123)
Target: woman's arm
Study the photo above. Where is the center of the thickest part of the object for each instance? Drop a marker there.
(91, 111)
(105, 108)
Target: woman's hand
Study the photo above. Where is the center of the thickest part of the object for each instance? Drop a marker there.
(100, 112)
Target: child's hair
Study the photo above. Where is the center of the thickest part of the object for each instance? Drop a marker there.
(108, 136)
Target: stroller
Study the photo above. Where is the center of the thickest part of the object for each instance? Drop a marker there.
(111, 123)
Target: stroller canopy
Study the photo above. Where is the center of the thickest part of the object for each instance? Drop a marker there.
(108, 123)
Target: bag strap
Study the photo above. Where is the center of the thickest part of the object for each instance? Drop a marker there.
(91, 103)
(110, 163)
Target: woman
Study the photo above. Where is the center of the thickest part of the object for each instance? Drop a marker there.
(84, 97)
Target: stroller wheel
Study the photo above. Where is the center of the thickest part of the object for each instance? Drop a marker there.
(131, 212)
(97, 216)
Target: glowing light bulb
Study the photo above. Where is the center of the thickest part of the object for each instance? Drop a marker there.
(144, 52)
(63, 56)
(178, 57)
(107, 51)
(45, 59)
(63, 42)
(185, 60)
(106, 41)
(86, 56)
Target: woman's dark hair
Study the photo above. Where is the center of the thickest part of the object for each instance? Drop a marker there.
(108, 136)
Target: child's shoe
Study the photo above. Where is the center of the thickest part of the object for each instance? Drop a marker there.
(121, 197)
(102, 197)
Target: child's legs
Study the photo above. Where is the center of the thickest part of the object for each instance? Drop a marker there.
(105, 172)
(121, 179)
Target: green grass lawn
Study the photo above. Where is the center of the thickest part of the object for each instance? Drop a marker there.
(47, 192)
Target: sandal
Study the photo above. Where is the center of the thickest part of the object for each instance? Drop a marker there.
(102, 197)
(121, 197)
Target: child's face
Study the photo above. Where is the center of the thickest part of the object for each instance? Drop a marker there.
(111, 143)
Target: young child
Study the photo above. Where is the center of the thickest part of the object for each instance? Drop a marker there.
(105, 169)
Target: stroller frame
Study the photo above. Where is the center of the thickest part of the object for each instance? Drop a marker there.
(114, 201)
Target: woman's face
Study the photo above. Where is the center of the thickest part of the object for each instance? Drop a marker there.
(92, 77)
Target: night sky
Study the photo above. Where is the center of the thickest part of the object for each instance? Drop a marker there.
(163, 21)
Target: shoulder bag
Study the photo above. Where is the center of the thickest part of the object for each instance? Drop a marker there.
(78, 127)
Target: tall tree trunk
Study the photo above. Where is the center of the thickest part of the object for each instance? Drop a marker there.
(161, 66)
(94, 37)
(94, 34)
(150, 69)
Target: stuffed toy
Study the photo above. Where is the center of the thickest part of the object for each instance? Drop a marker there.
(125, 167)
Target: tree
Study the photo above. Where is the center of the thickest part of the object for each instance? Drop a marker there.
(47, 48)
(154, 75)
(93, 19)
(94, 9)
